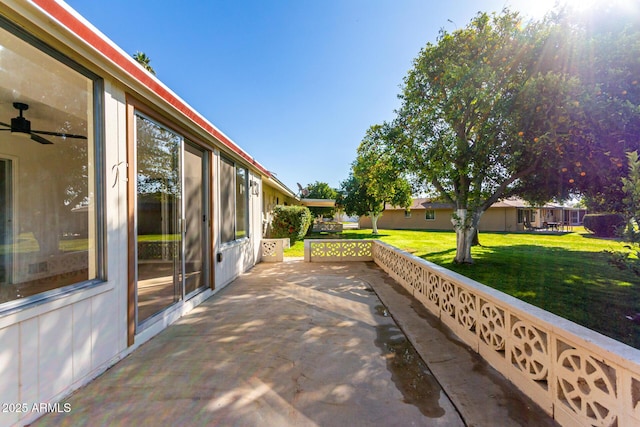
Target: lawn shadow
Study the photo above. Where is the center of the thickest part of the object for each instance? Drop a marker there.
(594, 236)
(430, 255)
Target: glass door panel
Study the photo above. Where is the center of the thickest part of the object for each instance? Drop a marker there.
(195, 217)
(159, 228)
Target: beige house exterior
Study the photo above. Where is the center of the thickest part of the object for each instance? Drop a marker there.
(274, 193)
(506, 215)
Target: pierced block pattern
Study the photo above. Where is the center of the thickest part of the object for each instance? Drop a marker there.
(157, 250)
(341, 249)
(448, 297)
(410, 273)
(401, 269)
(269, 248)
(635, 396)
(433, 289)
(530, 351)
(492, 326)
(55, 265)
(586, 386)
(466, 310)
(414, 275)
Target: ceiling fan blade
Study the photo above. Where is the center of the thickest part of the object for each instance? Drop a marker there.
(6, 125)
(63, 135)
(40, 139)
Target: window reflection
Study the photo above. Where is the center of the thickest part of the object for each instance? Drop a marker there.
(47, 180)
(242, 213)
(159, 239)
(234, 200)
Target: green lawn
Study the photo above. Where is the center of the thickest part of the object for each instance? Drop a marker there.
(27, 243)
(568, 274)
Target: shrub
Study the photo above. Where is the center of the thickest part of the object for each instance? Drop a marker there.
(290, 221)
(603, 224)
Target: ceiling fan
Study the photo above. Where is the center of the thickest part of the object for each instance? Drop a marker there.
(20, 126)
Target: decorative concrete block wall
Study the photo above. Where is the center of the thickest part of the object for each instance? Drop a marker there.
(272, 250)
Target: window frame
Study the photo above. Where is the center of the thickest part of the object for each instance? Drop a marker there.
(246, 202)
(428, 217)
(522, 215)
(234, 215)
(98, 161)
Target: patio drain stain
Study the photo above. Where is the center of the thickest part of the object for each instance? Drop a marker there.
(381, 310)
(408, 372)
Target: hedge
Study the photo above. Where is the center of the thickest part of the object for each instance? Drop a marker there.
(603, 224)
(290, 221)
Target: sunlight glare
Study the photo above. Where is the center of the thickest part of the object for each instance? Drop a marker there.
(537, 9)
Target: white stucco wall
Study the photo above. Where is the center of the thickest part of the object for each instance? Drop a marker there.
(50, 348)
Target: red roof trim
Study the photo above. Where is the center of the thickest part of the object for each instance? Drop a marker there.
(96, 41)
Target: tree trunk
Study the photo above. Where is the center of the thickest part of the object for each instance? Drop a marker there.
(464, 240)
(476, 239)
(466, 233)
(374, 222)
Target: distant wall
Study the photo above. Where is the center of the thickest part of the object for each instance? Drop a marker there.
(495, 219)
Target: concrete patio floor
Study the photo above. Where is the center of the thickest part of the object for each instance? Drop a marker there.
(301, 344)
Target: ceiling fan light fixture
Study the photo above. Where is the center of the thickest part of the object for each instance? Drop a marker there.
(20, 127)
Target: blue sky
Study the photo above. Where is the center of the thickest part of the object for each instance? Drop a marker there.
(295, 83)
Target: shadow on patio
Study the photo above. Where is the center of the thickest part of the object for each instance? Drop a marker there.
(302, 344)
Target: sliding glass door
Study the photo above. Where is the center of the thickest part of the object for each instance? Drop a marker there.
(171, 218)
(195, 219)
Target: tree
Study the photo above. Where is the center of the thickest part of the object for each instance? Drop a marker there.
(321, 190)
(606, 48)
(630, 260)
(375, 179)
(484, 114)
(145, 61)
(598, 48)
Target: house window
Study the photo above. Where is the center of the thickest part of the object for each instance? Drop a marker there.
(407, 213)
(526, 216)
(234, 194)
(49, 197)
(430, 215)
(242, 213)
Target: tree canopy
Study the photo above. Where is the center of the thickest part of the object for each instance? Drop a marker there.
(321, 190)
(375, 178)
(599, 50)
(604, 47)
(142, 59)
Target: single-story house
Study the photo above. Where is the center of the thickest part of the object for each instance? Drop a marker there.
(121, 207)
(506, 215)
